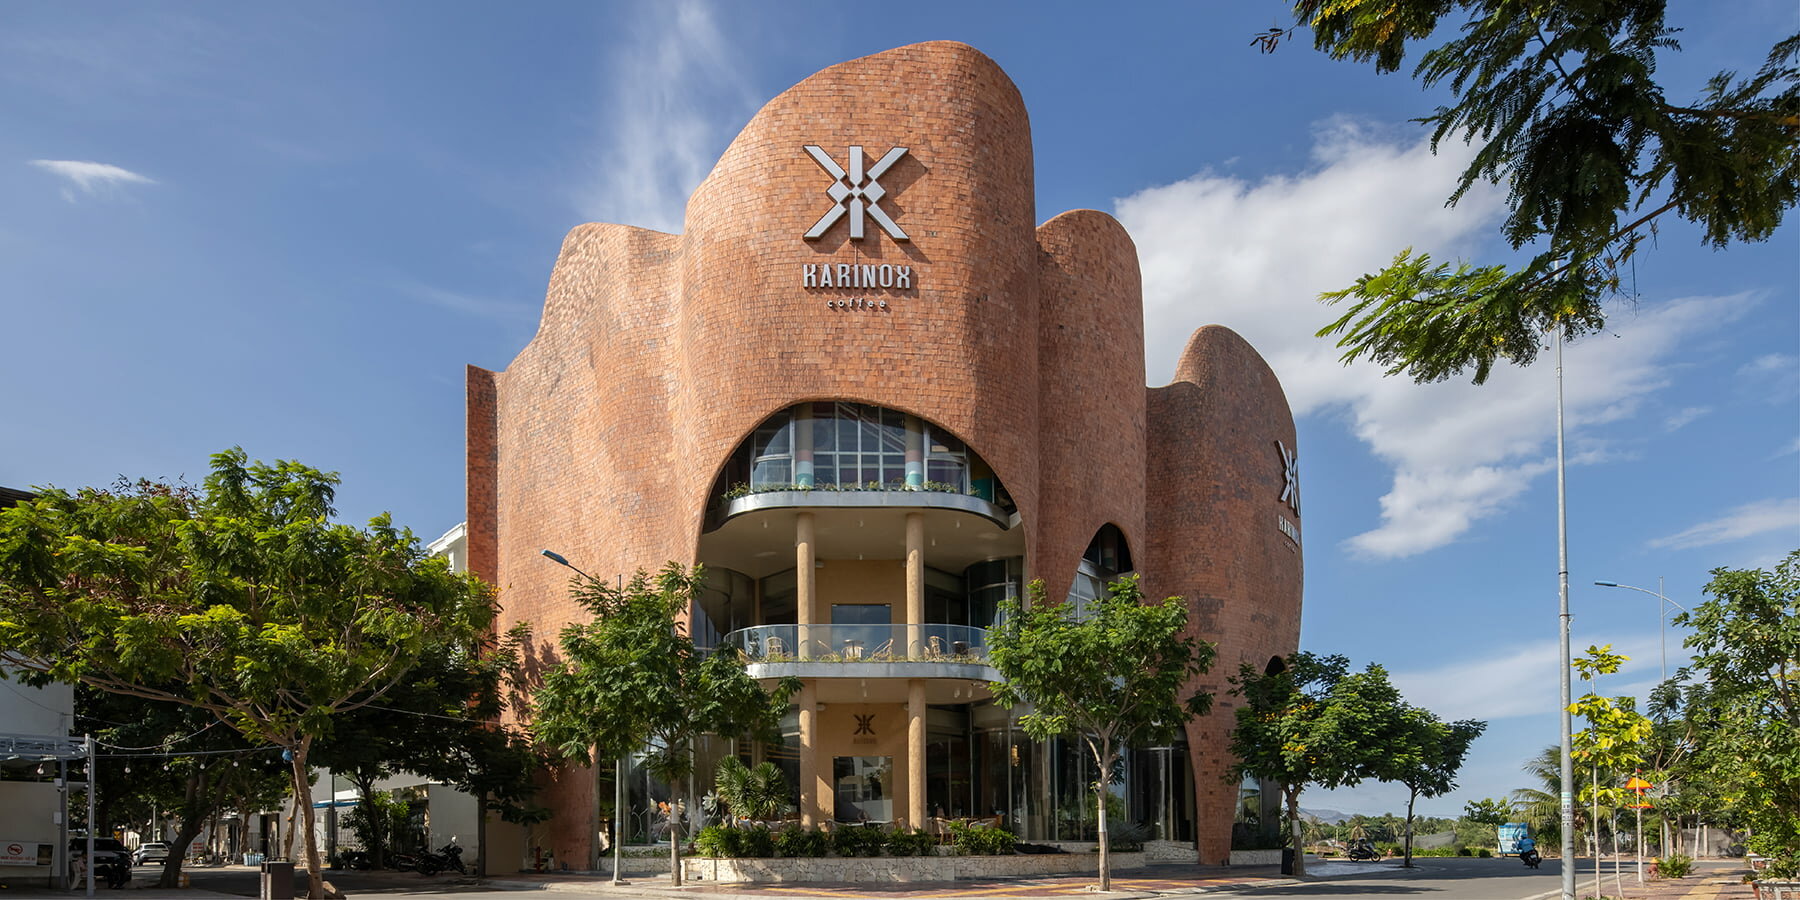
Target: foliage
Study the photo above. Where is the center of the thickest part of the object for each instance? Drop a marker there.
(751, 793)
(910, 842)
(1489, 811)
(723, 842)
(1117, 676)
(1746, 645)
(795, 841)
(979, 839)
(242, 599)
(858, 841)
(1426, 758)
(632, 677)
(1674, 865)
(1563, 106)
(377, 821)
(1128, 838)
(1313, 722)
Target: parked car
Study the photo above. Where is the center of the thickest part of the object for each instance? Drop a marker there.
(154, 851)
(112, 860)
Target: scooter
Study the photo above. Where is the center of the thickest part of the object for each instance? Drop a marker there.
(1362, 851)
(115, 872)
(449, 857)
(1531, 858)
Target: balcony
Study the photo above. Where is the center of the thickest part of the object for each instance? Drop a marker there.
(865, 651)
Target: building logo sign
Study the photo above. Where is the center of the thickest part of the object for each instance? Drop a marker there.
(855, 191)
(1290, 477)
(865, 725)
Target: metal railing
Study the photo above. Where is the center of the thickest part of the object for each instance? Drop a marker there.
(861, 643)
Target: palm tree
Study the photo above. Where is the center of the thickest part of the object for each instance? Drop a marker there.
(758, 793)
(1541, 807)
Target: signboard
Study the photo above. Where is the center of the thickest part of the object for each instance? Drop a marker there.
(1510, 835)
(23, 853)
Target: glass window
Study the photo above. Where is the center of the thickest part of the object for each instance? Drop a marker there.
(864, 788)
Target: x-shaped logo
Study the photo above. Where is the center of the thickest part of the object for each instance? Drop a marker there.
(864, 724)
(857, 192)
(1290, 477)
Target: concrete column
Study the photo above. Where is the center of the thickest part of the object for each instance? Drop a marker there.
(915, 584)
(809, 757)
(803, 445)
(915, 753)
(805, 581)
(915, 452)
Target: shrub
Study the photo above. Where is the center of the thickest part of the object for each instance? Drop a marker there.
(1464, 851)
(711, 841)
(758, 841)
(858, 841)
(981, 840)
(801, 842)
(1675, 865)
(909, 842)
(1485, 853)
(1128, 838)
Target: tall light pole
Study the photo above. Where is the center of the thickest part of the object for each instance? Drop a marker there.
(618, 835)
(1568, 724)
(1662, 610)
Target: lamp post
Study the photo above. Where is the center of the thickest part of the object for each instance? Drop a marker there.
(1567, 760)
(618, 764)
(1661, 614)
(1662, 633)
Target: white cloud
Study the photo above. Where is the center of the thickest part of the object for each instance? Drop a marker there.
(1685, 416)
(1775, 377)
(1255, 256)
(672, 82)
(1523, 680)
(468, 305)
(92, 178)
(1745, 521)
(1792, 448)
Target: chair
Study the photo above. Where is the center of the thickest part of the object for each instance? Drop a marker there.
(774, 646)
(934, 646)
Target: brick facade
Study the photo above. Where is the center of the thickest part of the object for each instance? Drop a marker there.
(659, 354)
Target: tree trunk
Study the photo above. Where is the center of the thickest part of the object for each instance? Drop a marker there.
(674, 835)
(315, 886)
(1293, 805)
(481, 814)
(374, 818)
(1411, 798)
(1105, 843)
(171, 873)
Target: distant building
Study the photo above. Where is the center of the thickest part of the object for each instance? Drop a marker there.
(875, 398)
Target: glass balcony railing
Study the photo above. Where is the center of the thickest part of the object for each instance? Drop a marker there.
(861, 643)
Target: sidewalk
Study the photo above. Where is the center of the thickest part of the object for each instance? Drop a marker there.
(1717, 882)
(1151, 881)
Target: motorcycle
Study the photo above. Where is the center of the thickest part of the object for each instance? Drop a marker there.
(1363, 851)
(450, 857)
(114, 871)
(1531, 858)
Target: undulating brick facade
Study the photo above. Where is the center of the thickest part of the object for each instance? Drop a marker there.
(658, 355)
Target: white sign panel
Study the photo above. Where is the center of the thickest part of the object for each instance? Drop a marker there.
(22, 853)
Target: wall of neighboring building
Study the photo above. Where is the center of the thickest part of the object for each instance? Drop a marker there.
(25, 710)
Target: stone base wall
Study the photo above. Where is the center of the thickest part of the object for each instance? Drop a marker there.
(1171, 851)
(1256, 857)
(903, 868)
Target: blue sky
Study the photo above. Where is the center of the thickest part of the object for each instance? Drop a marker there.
(291, 227)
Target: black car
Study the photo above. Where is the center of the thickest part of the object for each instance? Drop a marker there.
(112, 861)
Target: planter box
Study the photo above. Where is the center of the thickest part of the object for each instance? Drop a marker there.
(1255, 857)
(903, 868)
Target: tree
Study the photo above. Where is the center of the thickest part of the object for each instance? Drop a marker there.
(1312, 721)
(632, 678)
(1611, 745)
(1427, 757)
(1112, 676)
(242, 599)
(1746, 645)
(759, 793)
(170, 759)
(1563, 105)
(438, 722)
(1488, 811)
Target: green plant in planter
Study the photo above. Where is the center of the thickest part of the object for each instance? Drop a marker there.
(858, 841)
(1674, 865)
(751, 793)
(797, 842)
(981, 840)
(910, 842)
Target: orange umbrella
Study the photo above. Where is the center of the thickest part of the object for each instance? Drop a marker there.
(1638, 784)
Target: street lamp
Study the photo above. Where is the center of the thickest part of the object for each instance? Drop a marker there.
(1661, 614)
(618, 764)
(1566, 750)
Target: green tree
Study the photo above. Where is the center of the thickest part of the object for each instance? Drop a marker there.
(1488, 811)
(1427, 757)
(243, 599)
(1746, 645)
(1114, 676)
(438, 722)
(632, 678)
(1313, 722)
(759, 793)
(173, 760)
(1562, 103)
(1612, 744)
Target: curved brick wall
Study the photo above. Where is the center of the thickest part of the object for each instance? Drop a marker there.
(658, 354)
(1216, 477)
